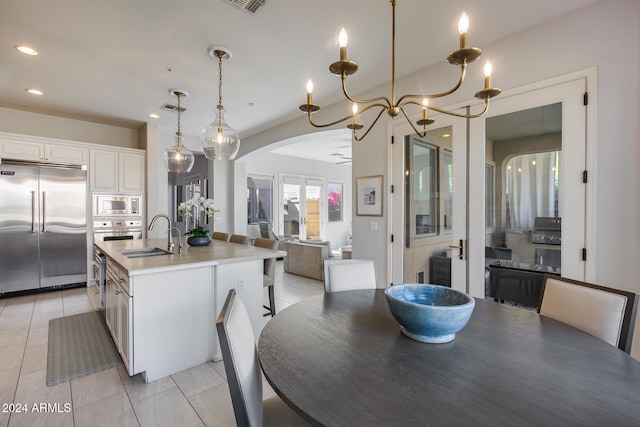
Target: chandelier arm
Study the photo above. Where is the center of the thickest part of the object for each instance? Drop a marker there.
(420, 134)
(463, 71)
(355, 136)
(419, 104)
(370, 106)
(465, 116)
(362, 101)
(349, 117)
(328, 124)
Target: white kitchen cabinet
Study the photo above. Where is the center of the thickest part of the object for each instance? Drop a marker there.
(174, 300)
(119, 311)
(112, 171)
(131, 172)
(44, 152)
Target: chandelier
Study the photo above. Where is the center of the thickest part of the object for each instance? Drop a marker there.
(219, 140)
(177, 158)
(344, 68)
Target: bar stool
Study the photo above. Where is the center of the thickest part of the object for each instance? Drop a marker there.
(269, 273)
(218, 235)
(239, 238)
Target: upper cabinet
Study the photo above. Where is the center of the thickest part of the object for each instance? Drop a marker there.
(111, 169)
(114, 171)
(44, 152)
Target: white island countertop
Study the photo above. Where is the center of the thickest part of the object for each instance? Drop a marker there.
(217, 253)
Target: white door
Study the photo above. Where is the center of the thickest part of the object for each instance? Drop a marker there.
(302, 202)
(428, 203)
(568, 96)
(469, 214)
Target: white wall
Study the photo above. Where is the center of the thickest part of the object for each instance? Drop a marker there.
(27, 123)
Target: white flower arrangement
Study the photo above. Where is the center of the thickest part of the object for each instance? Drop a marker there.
(197, 208)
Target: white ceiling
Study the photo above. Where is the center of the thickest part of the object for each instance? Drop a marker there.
(114, 61)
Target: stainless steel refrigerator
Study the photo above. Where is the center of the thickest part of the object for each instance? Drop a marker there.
(43, 226)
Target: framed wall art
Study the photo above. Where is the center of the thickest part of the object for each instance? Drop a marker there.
(369, 195)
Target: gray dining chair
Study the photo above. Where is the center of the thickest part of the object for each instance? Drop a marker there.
(349, 274)
(239, 238)
(606, 313)
(244, 376)
(269, 273)
(219, 235)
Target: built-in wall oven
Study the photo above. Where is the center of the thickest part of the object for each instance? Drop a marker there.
(117, 229)
(115, 217)
(106, 230)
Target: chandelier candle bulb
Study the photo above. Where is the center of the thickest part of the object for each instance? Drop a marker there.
(354, 109)
(425, 103)
(342, 42)
(463, 27)
(488, 70)
(309, 91)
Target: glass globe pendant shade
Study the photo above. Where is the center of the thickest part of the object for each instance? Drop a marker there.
(219, 140)
(178, 158)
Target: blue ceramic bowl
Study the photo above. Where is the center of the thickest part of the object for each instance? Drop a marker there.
(429, 313)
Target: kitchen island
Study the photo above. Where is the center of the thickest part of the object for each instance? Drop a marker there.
(161, 308)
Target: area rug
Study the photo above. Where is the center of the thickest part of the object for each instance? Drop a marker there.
(79, 345)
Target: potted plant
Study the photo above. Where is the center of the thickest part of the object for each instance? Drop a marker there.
(197, 208)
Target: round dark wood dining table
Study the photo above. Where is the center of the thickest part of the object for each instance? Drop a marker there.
(340, 360)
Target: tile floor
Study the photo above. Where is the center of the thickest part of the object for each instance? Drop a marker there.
(196, 397)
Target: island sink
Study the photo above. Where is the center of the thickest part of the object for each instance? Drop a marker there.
(144, 252)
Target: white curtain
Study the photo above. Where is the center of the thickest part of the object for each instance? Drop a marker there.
(531, 186)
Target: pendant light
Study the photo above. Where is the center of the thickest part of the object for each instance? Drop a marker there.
(178, 158)
(219, 140)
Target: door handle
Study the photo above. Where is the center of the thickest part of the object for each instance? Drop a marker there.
(44, 211)
(460, 247)
(33, 211)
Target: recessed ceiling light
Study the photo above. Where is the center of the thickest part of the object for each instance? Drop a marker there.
(154, 116)
(446, 135)
(35, 91)
(26, 50)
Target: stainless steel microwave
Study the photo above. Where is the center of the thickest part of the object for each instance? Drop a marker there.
(116, 205)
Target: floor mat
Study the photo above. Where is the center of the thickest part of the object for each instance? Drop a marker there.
(79, 345)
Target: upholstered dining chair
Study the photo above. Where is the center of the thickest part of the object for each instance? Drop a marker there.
(606, 313)
(219, 235)
(239, 238)
(269, 273)
(242, 367)
(349, 274)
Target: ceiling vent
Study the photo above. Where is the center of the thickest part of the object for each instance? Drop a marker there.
(171, 108)
(249, 6)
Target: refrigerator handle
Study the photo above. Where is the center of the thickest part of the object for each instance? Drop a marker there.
(44, 211)
(33, 211)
